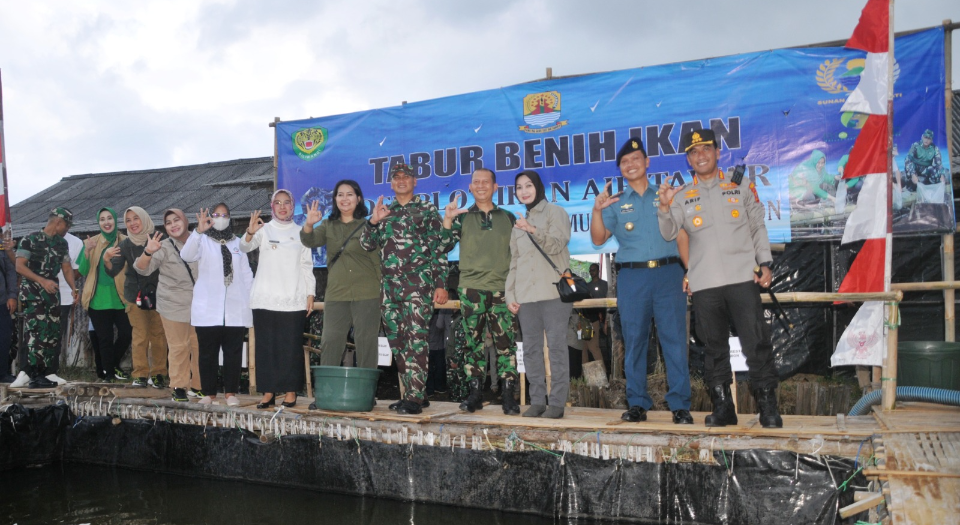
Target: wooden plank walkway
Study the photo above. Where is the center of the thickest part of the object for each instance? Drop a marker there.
(919, 458)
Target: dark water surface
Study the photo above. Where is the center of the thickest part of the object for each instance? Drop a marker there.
(75, 494)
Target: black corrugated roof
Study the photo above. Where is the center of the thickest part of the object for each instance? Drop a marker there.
(244, 184)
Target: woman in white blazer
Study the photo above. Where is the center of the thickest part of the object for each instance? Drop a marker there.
(220, 310)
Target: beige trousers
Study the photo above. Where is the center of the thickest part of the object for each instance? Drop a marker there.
(149, 345)
(183, 355)
(592, 346)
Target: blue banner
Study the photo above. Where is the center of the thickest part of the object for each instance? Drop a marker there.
(777, 111)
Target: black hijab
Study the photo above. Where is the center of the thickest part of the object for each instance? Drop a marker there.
(537, 183)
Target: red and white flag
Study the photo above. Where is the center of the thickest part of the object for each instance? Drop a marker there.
(863, 342)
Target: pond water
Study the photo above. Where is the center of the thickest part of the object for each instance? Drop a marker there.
(75, 494)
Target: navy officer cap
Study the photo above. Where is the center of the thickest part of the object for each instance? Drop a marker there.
(632, 144)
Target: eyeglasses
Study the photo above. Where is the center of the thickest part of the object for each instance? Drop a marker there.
(282, 203)
(220, 215)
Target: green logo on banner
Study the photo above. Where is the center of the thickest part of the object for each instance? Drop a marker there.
(309, 142)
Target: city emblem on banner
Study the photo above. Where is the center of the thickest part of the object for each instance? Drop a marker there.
(309, 142)
(541, 112)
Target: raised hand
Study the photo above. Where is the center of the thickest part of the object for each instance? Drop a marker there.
(380, 211)
(255, 223)
(666, 194)
(89, 243)
(110, 253)
(452, 210)
(153, 243)
(524, 225)
(604, 200)
(313, 214)
(204, 222)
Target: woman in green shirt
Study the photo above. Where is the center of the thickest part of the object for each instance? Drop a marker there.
(353, 277)
(101, 298)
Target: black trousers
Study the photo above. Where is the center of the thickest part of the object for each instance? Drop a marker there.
(111, 349)
(65, 312)
(211, 339)
(715, 309)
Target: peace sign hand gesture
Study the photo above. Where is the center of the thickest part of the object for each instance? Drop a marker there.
(255, 223)
(204, 222)
(153, 243)
(604, 200)
(667, 193)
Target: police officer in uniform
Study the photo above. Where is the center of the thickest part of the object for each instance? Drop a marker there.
(728, 242)
(649, 284)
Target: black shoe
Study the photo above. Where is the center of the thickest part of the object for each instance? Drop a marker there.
(157, 381)
(120, 374)
(474, 399)
(140, 382)
(395, 405)
(7, 378)
(724, 413)
(634, 415)
(312, 406)
(767, 403)
(288, 404)
(41, 382)
(510, 406)
(409, 407)
(180, 395)
(682, 417)
(268, 404)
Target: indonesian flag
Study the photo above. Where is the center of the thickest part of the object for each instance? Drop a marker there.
(863, 341)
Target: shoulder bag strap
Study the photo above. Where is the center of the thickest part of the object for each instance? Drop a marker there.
(545, 256)
(340, 251)
(187, 266)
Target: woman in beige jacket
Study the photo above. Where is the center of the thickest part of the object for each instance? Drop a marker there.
(532, 295)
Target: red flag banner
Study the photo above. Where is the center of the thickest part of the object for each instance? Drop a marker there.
(872, 34)
(869, 153)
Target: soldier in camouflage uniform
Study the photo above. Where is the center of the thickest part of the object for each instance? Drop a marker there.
(414, 270)
(40, 257)
(456, 377)
(483, 231)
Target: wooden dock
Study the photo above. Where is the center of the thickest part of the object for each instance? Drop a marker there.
(910, 455)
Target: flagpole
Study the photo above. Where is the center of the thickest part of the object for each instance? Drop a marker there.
(889, 375)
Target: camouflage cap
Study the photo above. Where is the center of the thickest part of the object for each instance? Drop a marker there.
(928, 134)
(696, 138)
(64, 214)
(405, 168)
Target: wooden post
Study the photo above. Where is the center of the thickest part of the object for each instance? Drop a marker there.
(306, 367)
(889, 379)
(546, 361)
(949, 296)
(733, 391)
(523, 388)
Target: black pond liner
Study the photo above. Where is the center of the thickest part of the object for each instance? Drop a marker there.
(760, 486)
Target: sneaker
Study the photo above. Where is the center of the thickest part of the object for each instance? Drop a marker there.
(22, 380)
(180, 395)
(41, 382)
(57, 379)
(205, 400)
(140, 382)
(7, 378)
(157, 381)
(193, 392)
(120, 374)
(232, 401)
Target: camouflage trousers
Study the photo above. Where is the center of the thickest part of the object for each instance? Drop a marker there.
(405, 322)
(483, 310)
(41, 326)
(456, 378)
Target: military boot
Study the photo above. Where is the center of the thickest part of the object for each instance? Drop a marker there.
(510, 406)
(724, 413)
(474, 399)
(767, 403)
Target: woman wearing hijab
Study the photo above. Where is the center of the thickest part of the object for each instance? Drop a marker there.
(220, 310)
(101, 296)
(810, 183)
(532, 295)
(174, 295)
(281, 299)
(149, 343)
(353, 277)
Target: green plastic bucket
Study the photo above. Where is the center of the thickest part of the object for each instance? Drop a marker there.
(346, 389)
(928, 363)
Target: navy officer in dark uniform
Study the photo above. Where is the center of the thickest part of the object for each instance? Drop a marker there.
(649, 284)
(728, 242)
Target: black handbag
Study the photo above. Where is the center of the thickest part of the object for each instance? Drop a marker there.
(571, 287)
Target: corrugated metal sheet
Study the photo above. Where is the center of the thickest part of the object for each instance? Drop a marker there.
(244, 184)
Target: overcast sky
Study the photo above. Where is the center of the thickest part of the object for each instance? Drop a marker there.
(93, 87)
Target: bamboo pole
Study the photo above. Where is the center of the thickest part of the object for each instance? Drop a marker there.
(889, 379)
(889, 372)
